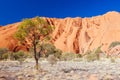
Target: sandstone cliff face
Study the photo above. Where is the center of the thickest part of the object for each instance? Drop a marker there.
(74, 34)
(6, 33)
(7, 39)
(79, 35)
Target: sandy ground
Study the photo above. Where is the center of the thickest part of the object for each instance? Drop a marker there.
(63, 70)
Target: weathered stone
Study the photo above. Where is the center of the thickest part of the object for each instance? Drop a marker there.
(73, 34)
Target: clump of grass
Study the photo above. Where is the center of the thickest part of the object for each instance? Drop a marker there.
(6, 56)
(3, 53)
(20, 55)
(68, 56)
(93, 55)
(49, 49)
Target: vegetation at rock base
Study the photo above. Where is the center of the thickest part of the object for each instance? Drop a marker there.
(20, 55)
(3, 53)
(113, 44)
(93, 55)
(69, 56)
(48, 51)
(36, 31)
(51, 49)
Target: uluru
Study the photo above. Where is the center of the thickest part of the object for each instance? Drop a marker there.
(59, 39)
(73, 34)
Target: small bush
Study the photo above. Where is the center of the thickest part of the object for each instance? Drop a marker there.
(113, 44)
(89, 56)
(3, 50)
(49, 49)
(68, 56)
(3, 53)
(78, 55)
(93, 55)
(57, 53)
(6, 55)
(20, 55)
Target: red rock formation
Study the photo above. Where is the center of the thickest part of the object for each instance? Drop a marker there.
(6, 33)
(7, 39)
(75, 34)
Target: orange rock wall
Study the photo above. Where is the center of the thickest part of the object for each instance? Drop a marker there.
(75, 34)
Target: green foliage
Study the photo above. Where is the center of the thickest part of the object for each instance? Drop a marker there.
(113, 44)
(35, 30)
(2, 52)
(93, 55)
(68, 56)
(78, 55)
(6, 56)
(57, 53)
(51, 49)
(20, 55)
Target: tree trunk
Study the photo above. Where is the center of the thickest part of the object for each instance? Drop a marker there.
(37, 65)
(35, 54)
(36, 60)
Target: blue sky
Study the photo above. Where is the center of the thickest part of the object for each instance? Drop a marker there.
(12, 11)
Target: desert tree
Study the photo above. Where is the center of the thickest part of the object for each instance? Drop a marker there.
(35, 31)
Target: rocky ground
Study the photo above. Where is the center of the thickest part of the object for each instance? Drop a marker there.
(63, 70)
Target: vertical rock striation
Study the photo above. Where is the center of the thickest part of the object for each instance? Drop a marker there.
(74, 34)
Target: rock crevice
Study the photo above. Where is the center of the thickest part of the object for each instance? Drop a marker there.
(74, 34)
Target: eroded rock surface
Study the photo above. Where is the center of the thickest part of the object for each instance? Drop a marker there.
(74, 34)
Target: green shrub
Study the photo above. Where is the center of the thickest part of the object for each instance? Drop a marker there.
(3, 50)
(113, 44)
(93, 55)
(20, 55)
(57, 53)
(46, 49)
(6, 55)
(78, 55)
(3, 53)
(68, 56)
(88, 55)
(49, 49)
